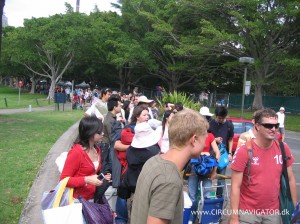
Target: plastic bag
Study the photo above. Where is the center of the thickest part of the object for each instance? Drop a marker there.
(58, 206)
(223, 161)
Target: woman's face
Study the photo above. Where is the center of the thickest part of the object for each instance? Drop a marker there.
(97, 137)
(143, 117)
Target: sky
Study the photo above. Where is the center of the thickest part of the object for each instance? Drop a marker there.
(18, 10)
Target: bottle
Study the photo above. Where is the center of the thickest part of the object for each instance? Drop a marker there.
(29, 108)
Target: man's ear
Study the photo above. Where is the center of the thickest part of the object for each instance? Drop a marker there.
(193, 140)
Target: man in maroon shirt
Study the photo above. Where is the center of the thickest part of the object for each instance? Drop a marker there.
(257, 200)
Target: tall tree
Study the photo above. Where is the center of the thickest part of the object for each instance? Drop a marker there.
(46, 46)
(2, 3)
(263, 30)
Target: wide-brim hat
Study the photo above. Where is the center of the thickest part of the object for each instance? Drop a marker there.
(205, 111)
(144, 99)
(145, 136)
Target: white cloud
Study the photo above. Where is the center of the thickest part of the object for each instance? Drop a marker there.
(17, 10)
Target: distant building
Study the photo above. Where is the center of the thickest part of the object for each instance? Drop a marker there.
(4, 20)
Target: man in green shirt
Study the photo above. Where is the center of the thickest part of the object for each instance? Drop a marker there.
(158, 196)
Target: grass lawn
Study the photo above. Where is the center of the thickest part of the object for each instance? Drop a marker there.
(26, 138)
(10, 96)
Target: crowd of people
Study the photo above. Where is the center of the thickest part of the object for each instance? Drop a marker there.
(121, 137)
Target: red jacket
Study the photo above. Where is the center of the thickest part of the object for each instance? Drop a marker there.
(78, 165)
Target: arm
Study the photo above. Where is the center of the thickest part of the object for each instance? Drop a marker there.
(216, 149)
(154, 220)
(230, 144)
(292, 182)
(236, 182)
(120, 147)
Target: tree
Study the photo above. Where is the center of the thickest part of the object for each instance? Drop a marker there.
(2, 3)
(264, 30)
(46, 46)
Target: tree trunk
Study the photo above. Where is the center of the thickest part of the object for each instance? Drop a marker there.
(257, 102)
(51, 89)
(33, 84)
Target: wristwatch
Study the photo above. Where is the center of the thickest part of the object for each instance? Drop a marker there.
(230, 153)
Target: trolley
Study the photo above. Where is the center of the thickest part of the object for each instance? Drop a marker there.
(210, 208)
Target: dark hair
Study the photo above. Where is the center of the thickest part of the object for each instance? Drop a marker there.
(136, 113)
(104, 91)
(178, 106)
(88, 126)
(164, 121)
(260, 114)
(126, 104)
(113, 101)
(221, 112)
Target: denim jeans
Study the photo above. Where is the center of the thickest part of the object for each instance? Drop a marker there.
(121, 211)
(193, 184)
(219, 192)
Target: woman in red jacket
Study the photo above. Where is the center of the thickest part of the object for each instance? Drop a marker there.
(83, 162)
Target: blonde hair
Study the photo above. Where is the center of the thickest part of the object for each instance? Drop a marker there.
(184, 125)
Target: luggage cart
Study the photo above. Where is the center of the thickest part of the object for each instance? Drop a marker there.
(210, 208)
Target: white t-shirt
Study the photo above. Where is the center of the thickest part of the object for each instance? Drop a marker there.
(281, 117)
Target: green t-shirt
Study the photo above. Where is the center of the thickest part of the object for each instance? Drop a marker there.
(158, 192)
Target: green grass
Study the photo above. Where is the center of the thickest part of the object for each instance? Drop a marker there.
(10, 97)
(26, 138)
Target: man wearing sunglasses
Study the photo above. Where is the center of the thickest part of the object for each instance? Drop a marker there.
(256, 200)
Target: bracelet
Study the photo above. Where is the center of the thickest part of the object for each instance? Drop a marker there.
(230, 153)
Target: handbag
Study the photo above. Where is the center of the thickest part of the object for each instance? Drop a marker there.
(97, 213)
(223, 161)
(285, 198)
(58, 205)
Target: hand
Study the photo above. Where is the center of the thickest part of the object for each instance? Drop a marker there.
(230, 157)
(108, 177)
(93, 180)
(219, 140)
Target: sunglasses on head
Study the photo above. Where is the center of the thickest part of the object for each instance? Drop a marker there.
(270, 126)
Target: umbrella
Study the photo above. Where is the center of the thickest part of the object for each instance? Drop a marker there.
(83, 85)
(68, 83)
(60, 83)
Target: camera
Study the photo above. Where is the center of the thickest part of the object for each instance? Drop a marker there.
(101, 176)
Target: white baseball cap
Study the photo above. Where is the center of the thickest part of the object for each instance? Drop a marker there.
(282, 108)
(205, 111)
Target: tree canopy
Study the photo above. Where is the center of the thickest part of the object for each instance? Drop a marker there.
(186, 44)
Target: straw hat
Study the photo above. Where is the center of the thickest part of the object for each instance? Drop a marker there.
(145, 136)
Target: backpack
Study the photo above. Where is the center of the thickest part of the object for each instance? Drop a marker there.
(204, 165)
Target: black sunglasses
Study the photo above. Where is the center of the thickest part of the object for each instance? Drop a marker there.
(270, 126)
